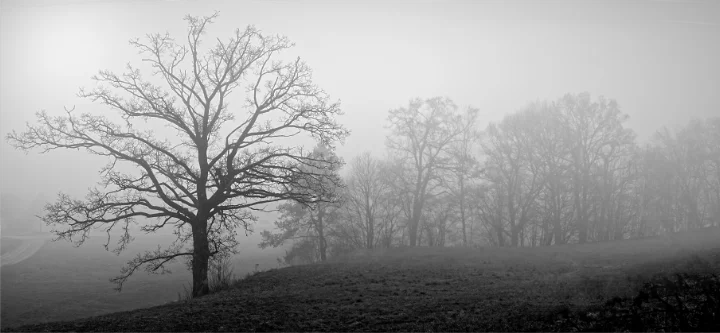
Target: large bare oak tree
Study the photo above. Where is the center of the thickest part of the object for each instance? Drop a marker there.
(221, 163)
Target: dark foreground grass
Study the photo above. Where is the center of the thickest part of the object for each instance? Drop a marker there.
(653, 284)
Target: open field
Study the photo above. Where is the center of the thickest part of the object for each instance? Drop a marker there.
(61, 282)
(439, 289)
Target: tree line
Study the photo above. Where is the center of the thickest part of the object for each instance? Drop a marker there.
(554, 172)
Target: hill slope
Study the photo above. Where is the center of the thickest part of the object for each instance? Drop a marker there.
(440, 289)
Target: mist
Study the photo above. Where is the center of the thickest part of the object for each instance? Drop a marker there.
(473, 125)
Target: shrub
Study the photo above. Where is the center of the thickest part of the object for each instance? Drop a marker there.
(220, 275)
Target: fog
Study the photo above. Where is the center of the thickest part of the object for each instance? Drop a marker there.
(657, 59)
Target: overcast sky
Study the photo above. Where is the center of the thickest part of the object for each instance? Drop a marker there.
(658, 59)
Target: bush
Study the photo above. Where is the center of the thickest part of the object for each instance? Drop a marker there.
(220, 274)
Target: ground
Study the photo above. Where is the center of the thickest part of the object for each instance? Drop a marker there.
(432, 289)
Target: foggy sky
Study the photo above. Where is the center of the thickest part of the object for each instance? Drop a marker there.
(658, 59)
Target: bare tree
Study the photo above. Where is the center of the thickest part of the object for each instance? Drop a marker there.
(421, 136)
(679, 178)
(490, 207)
(590, 127)
(509, 156)
(204, 180)
(464, 166)
(400, 193)
(438, 218)
(613, 177)
(309, 220)
(367, 192)
(550, 153)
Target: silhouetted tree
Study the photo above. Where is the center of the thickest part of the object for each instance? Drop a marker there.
(219, 163)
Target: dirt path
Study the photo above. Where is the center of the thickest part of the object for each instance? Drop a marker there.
(26, 249)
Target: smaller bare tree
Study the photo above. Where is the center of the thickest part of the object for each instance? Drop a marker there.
(309, 220)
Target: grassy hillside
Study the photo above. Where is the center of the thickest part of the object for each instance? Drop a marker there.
(572, 287)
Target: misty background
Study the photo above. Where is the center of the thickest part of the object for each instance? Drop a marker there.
(658, 59)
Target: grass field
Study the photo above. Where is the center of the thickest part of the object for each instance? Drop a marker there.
(62, 282)
(449, 289)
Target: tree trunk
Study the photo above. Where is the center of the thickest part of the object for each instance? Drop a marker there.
(514, 232)
(200, 260)
(441, 232)
(579, 185)
(370, 228)
(462, 210)
(618, 230)
(512, 215)
(430, 235)
(547, 236)
(321, 235)
(501, 239)
(578, 222)
(419, 237)
(533, 240)
(557, 230)
(414, 222)
(556, 216)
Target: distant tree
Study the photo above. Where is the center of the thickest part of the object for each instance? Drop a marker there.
(309, 220)
(713, 189)
(695, 146)
(613, 177)
(464, 167)
(421, 135)
(220, 163)
(508, 149)
(367, 193)
(557, 170)
(401, 197)
(490, 208)
(438, 218)
(371, 208)
(679, 179)
(655, 192)
(589, 127)
(549, 152)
